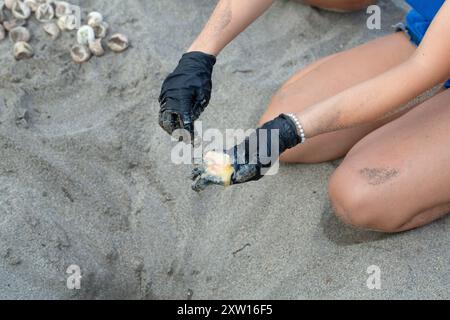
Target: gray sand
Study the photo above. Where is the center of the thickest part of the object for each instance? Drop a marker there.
(86, 177)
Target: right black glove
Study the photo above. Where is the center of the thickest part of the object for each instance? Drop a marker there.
(186, 92)
(242, 163)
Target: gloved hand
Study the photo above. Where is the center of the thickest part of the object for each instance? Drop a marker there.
(186, 92)
(243, 163)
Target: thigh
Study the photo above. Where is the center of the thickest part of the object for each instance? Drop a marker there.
(326, 78)
(339, 5)
(400, 170)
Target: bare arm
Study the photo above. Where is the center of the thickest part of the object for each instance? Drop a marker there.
(228, 20)
(373, 99)
(186, 92)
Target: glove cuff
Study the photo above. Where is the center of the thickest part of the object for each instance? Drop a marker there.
(207, 60)
(288, 137)
(248, 164)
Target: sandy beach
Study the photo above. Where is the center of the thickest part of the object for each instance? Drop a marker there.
(86, 177)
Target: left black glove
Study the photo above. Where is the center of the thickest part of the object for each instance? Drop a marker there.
(186, 92)
(244, 162)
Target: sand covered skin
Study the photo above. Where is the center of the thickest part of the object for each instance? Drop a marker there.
(86, 176)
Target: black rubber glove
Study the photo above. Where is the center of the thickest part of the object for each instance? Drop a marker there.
(243, 163)
(186, 92)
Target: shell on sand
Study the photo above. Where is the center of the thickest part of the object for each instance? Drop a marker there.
(94, 19)
(101, 30)
(67, 23)
(80, 53)
(118, 42)
(62, 8)
(32, 4)
(96, 48)
(85, 35)
(22, 50)
(20, 10)
(52, 29)
(13, 23)
(19, 34)
(45, 12)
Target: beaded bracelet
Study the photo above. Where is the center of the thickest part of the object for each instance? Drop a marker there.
(300, 130)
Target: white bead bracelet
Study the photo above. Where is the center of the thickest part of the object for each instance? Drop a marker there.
(300, 130)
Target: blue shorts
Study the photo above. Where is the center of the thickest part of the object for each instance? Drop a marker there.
(419, 19)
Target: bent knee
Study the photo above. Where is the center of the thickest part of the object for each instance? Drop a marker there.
(359, 205)
(340, 5)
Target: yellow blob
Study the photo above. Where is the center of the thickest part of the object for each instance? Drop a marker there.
(219, 165)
